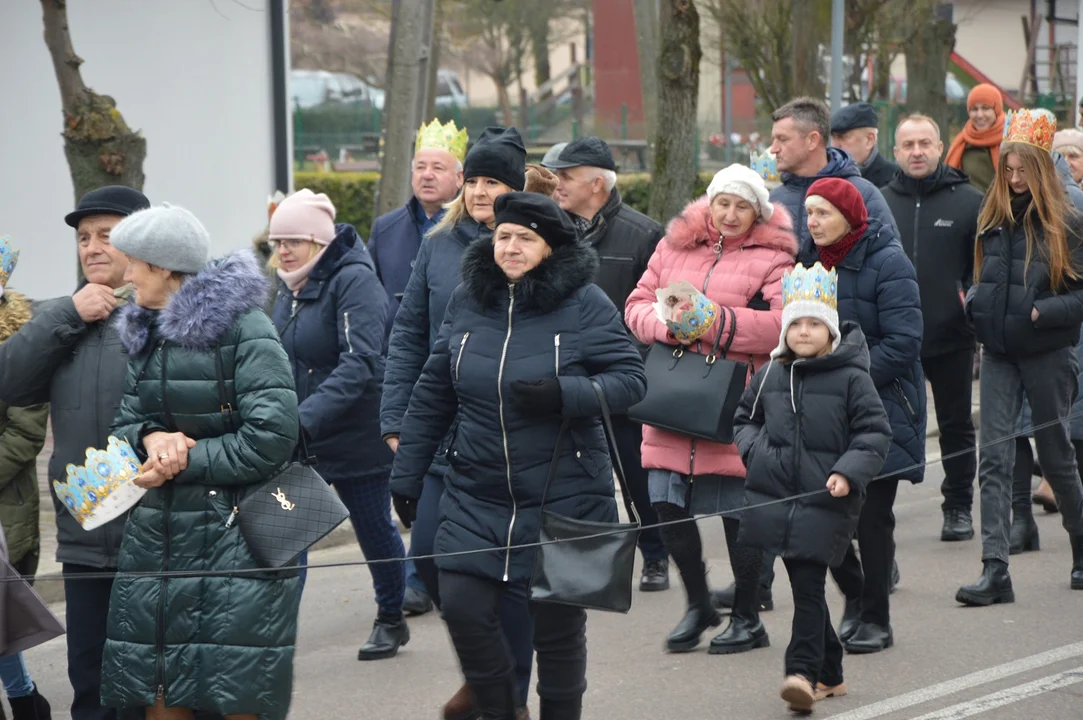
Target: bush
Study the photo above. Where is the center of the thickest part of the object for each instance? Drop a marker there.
(354, 194)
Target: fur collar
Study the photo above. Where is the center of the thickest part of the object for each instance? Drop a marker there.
(689, 229)
(203, 311)
(14, 313)
(543, 289)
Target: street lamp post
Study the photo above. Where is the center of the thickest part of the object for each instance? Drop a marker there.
(838, 15)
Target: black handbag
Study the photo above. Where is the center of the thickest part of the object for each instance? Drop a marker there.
(583, 563)
(690, 393)
(289, 513)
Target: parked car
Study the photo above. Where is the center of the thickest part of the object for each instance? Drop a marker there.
(311, 88)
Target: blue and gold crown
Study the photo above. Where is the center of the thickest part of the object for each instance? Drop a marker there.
(8, 257)
(814, 284)
(101, 490)
(765, 165)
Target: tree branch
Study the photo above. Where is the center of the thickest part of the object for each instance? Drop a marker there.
(65, 62)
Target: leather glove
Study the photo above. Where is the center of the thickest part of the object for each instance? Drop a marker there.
(538, 397)
(405, 508)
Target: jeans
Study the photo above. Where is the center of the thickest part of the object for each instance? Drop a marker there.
(413, 580)
(814, 650)
(15, 676)
(869, 577)
(471, 611)
(515, 618)
(1045, 379)
(950, 378)
(369, 503)
(629, 442)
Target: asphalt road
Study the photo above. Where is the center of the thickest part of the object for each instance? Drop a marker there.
(1015, 661)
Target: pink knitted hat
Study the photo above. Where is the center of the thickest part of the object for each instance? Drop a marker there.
(304, 216)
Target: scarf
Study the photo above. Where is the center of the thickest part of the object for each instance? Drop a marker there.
(832, 255)
(971, 137)
(1020, 205)
(295, 279)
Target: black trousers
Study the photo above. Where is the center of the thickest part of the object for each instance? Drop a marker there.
(950, 377)
(870, 577)
(471, 610)
(814, 650)
(629, 441)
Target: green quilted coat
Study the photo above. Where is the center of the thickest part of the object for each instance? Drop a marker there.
(219, 644)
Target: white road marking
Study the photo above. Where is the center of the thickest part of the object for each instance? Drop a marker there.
(981, 677)
(1007, 697)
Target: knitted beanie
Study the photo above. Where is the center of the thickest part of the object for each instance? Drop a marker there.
(1069, 137)
(305, 215)
(165, 236)
(746, 184)
(844, 196)
(498, 154)
(985, 94)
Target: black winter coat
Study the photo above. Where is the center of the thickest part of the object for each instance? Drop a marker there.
(880, 171)
(800, 421)
(552, 323)
(938, 221)
(1008, 289)
(879, 291)
(333, 332)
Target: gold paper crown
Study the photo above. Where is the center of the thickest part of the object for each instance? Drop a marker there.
(1033, 127)
(814, 284)
(442, 137)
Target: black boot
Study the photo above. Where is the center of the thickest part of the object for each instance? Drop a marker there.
(1024, 532)
(497, 701)
(561, 709)
(1077, 562)
(958, 525)
(723, 599)
(699, 616)
(869, 638)
(745, 631)
(388, 635)
(30, 707)
(851, 618)
(994, 586)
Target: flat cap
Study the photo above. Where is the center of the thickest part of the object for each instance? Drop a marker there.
(857, 115)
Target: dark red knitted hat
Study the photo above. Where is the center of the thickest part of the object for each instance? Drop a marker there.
(844, 196)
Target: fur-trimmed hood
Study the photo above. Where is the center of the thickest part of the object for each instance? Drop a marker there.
(569, 268)
(15, 311)
(203, 311)
(689, 229)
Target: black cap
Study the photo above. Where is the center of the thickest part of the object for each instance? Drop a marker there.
(538, 213)
(498, 154)
(858, 115)
(589, 150)
(108, 200)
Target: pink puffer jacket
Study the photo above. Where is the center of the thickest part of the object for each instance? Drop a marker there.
(748, 265)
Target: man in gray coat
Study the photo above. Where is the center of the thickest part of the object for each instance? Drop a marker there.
(70, 357)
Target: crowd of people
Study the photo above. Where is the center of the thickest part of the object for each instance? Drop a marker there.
(456, 368)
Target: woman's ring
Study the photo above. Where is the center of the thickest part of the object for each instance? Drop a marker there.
(163, 456)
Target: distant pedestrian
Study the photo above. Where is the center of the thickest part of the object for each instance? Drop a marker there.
(976, 149)
(855, 129)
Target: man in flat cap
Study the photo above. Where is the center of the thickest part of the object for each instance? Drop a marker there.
(854, 129)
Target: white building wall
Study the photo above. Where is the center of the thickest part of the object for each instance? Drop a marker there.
(193, 75)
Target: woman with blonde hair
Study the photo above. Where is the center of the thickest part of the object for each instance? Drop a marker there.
(1027, 306)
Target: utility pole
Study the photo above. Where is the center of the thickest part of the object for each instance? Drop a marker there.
(412, 28)
(838, 28)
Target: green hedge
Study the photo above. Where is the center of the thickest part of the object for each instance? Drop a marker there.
(354, 194)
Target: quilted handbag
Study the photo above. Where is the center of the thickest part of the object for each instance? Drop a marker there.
(289, 513)
(690, 393)
(583, 563)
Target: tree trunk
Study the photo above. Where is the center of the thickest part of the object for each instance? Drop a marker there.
(504, 98)
(439, 15)
(678, 80)
(647, 45)
(809, 31)
(539, 48)
(927, 53)
(100, 148)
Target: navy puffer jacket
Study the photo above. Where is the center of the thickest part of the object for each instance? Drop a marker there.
(552, 323)
(333, 332)
(878, 289)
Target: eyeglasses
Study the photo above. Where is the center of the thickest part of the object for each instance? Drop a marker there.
(290, 244)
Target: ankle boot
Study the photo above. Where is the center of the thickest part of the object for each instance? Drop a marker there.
(699, 616)
(745, 631)
(994, 586)
(1044, 496)
(1077, 562)
(461, 706)
(30, 707)
(561, 709)
(1024, 532)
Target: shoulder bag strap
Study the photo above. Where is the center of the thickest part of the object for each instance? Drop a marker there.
(614, 455)
(223, 396)
(715, 351)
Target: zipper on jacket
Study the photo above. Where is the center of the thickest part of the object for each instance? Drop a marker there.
(459, 357)
(556, 355)
(346, 328)
(159, 637)
(504, 429)
(917, 215)
(794, 473)
(900, 394)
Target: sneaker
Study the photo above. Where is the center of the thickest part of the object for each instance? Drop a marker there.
(829, 691)
(655, 576)
(799, 694)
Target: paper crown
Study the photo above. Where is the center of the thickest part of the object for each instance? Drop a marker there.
(101, 490)
(1032, 127)
(764, 165)
(442, 137)
(273, 201)
(8, 257)
(814, 284)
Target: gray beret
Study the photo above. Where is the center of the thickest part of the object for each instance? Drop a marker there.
(857, 115)
(167, 236)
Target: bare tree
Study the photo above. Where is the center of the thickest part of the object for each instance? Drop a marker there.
(345, 36)
(678, 83)
(928, 50)
(100, 148)
(757, 34)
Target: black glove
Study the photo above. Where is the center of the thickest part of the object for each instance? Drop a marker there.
(405, 508)
(538, 397)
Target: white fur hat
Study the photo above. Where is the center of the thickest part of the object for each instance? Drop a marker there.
(745, 183)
